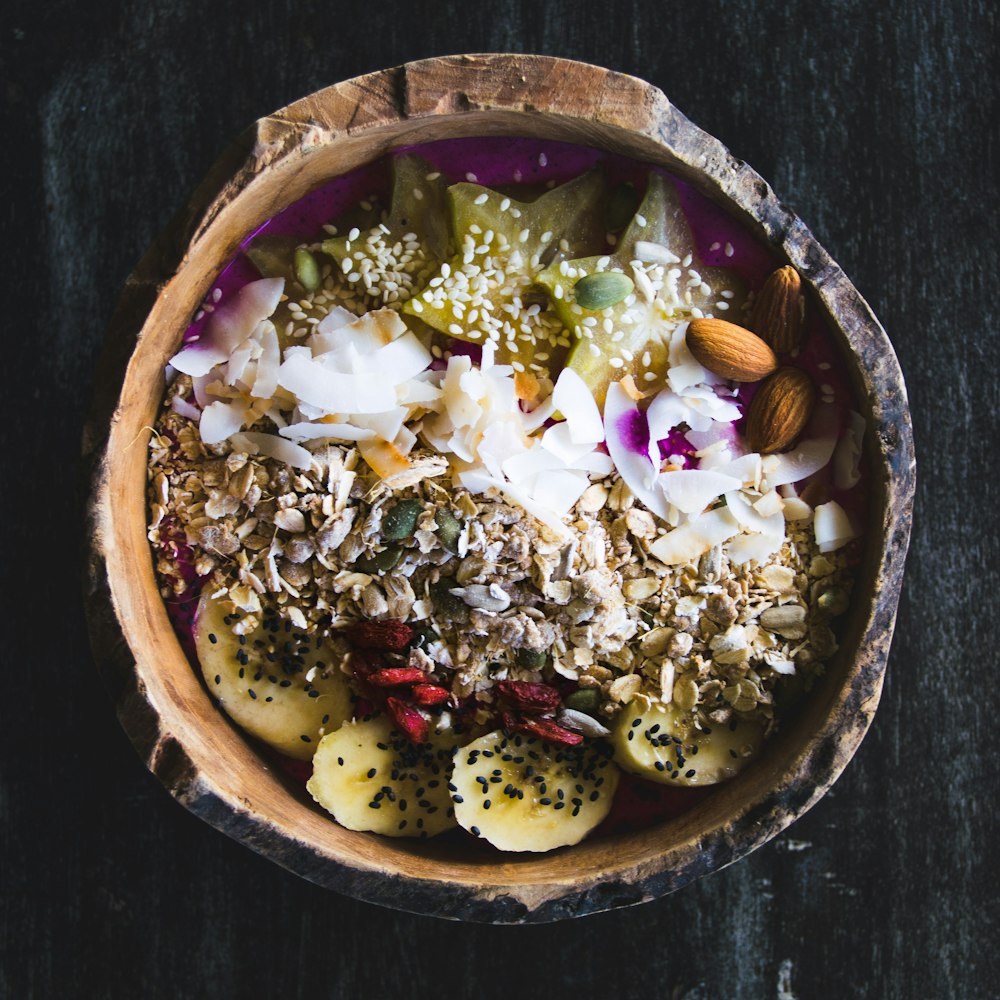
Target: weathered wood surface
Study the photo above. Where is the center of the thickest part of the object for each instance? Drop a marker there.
(872, 124)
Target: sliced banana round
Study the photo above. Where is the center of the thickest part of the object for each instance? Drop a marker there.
(262, 679)
(661, 743)
(370, 777)
(522, 794)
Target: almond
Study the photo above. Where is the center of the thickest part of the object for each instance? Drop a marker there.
(729, 350)
(780, 410)
(779, 309)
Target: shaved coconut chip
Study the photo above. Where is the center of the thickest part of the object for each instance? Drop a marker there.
(266, 383)
(460, 407)
(574, 400)
(273, 446)
(405, 440)
(559, 441)
(520, 497)
(336, 318)
(237, 363)
(796, 509)
(596, 463)
(684, 371)
(635, 469)
(384, 458)
(692, 540)
(181, 406)
(418, 391)
(525, 468)
(704, 401)
(692, 490)
(800, 463)
(718, 433)
(321, 431)
(199, 385)
(769, 504)
(535, 418)
(499, 443)
(334, 391)
(404, 358)
(231, 323)
(665, 412)
(747, 468)
(751, 519)
(756, 547)
(847, 456)
(366, 333)
(832, 527)
(560, 489)
(221, 420)
(386, 424)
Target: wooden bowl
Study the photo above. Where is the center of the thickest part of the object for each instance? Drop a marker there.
(205, 763)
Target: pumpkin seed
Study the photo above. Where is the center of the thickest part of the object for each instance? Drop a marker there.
(449, 527)
(601, 290)
(400, 520)
(533, 659)
(584, 700)
(307, 270)
(381, 562)
(446, 604)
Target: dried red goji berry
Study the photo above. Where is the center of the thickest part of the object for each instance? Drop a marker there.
(527, 696)
(364, 663)
(429, 694)
(410, 722)
(395, 676)
(547, 730)
(389, 635)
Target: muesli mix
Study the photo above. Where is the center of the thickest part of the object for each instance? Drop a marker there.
(497, 491)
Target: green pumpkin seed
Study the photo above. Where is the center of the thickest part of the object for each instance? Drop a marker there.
(382, 562)
(622, 205)
(531, 659)
(449, 528)
(584, 700)
(446, 604)
(400, 520)
(601, 290)
(307, 270)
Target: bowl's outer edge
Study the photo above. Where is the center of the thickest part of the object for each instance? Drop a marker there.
(524, 84)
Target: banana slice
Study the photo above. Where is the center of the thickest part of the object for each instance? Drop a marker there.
(522, 794)
(661, 744)
(261, 681)
(370, 777)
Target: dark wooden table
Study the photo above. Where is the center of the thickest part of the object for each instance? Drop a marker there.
(875, 122)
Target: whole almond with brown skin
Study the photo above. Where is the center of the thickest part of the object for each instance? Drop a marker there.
(780, 410)
(730, 351)
(778, 310)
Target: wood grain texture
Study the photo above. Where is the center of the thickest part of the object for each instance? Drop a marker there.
(874, 122)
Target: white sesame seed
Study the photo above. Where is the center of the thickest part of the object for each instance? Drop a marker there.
(594, 349)
(729, 250)
(547, 235)
(454, 329)
(714, 247)
(523, 236)
(646, 359)
(824, 366)
(640, 221)
(482, 199)
(543, 160)
(649, 376)
(433, 175)
(616, 363)
(517, 175)
(418, 194)
(471, 177)
(505, 204)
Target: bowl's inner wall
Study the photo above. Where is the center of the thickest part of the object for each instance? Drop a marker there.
(224, 760)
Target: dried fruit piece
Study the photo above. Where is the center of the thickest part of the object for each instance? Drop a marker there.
(429, 694)
(263, 688)
(730, 351)
(521, 794)
(779, 309)
(388, 635)
(371, 777)
(396, 676)
(662, 744)
(527, 696)
(780, 410)
(413, 724)
(544, 729)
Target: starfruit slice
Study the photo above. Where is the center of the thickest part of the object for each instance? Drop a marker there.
(387, 262)
(631, 335)
(485, 291)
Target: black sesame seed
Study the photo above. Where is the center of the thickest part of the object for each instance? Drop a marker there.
(372, 772)
(474, 830)
(458, 798)
(486, 803)
(559, 805)
(212, 638)
(253, 694)
(218, 679)
(340, 761)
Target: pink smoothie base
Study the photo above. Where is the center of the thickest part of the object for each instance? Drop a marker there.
(500, 162)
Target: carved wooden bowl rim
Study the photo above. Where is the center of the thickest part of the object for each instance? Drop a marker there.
(201, 759)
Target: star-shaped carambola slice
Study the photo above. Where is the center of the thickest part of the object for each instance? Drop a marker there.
(485, 290)
(622, 308)
(389, 261)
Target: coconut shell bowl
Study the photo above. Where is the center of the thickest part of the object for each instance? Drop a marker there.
(220, 775)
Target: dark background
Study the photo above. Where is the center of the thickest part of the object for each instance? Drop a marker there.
(873, 120)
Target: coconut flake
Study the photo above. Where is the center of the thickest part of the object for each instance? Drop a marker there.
(692, 490)
(832, 526)
(688, 542)
(847, 456)
(684, 370)
(633, 466)
(182, 407)
(574, 400)
(266, 383)
(253, 443)
(221, 420)
(319, 431)
(335, 392)
(232, 323)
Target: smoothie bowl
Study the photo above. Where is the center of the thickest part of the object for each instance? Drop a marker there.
(518, 529)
